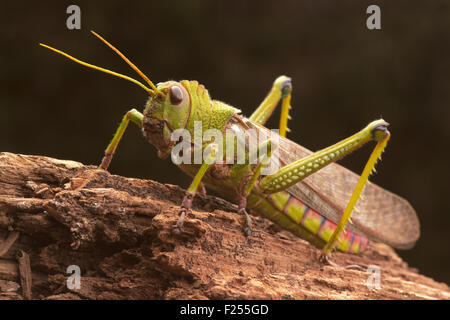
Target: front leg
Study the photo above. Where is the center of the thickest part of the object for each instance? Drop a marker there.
(190, 193)
(132, 115)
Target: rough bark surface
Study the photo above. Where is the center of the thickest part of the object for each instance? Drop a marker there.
(118, 231)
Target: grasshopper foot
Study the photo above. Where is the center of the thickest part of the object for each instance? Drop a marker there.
(248, 221)
(325, 259)
(106, 161)
(247, 225)
(178, 227)
(185, 206)
(176, 230)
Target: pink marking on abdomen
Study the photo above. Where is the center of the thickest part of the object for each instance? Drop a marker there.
(354, 240)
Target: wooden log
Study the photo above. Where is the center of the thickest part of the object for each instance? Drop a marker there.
(117, 230)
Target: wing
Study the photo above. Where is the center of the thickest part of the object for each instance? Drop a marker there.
(381, 215)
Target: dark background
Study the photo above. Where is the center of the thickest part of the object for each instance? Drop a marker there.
(344, 76)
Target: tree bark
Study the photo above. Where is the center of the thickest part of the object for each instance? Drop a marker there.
(118, 231)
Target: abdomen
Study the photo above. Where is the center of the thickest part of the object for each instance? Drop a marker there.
(295, 216)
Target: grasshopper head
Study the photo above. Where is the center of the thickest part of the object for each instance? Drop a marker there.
(165, 112)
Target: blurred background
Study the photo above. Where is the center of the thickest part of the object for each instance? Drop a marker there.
(343, 75)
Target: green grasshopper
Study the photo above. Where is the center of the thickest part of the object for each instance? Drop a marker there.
(307, 195)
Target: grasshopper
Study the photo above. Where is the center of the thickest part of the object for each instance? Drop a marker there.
(310, 195)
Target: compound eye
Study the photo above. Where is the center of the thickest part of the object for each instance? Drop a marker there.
(176, 95)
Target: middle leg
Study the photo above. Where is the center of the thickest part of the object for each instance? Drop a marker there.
(281, 89)
(263, 161)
